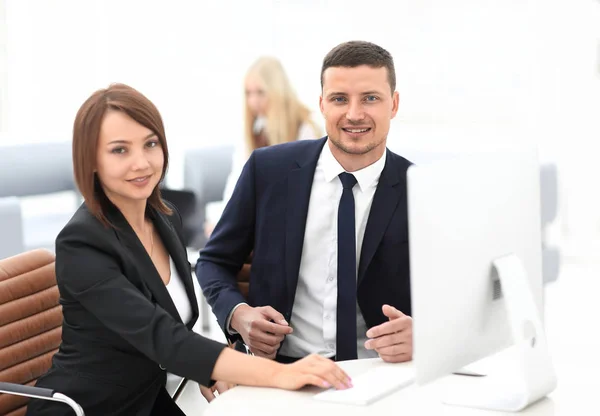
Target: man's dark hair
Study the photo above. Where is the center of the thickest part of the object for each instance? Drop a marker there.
(356, 53)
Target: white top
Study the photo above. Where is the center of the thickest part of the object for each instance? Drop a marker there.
(179, 295)
(182, 302)
(240, 157)
(315, 305)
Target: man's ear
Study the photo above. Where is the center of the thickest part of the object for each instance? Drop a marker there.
(395, 103)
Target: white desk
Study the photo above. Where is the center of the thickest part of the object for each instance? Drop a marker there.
(412, 400)
(572, 310)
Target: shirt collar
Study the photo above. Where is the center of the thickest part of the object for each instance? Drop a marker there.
(365, 177)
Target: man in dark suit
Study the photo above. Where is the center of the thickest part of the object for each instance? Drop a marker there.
(326, 221)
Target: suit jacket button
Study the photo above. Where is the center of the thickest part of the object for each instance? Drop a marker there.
(161, 367)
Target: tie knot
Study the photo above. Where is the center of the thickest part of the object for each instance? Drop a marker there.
(348, 180)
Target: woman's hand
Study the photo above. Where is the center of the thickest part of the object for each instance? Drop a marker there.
(314, 370)
(220, 387)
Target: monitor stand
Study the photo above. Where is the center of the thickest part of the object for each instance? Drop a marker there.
(531, 376)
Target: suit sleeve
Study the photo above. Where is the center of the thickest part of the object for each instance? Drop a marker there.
(88, 273)
(229, 246)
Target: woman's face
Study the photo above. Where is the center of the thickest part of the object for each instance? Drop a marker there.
(256, 97)
(129, 161)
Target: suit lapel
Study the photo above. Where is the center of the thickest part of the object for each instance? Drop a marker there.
(299, 186)
(142, 261)
(386, 198)
(178, 253)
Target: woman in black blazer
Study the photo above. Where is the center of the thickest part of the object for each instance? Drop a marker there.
(115, 260)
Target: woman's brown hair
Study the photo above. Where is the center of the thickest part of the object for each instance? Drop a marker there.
(86, 131)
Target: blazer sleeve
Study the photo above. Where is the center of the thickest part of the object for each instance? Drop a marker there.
(90, 274)
(228, 248)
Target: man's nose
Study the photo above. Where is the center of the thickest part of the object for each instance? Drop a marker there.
(355, 111)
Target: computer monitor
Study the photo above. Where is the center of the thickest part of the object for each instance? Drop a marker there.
(476, 278)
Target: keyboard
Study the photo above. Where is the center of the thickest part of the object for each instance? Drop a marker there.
(371, 386)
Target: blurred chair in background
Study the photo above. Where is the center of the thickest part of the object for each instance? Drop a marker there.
(34, 170)
(185, 202)
(205, 174)
(11, 238)
(549, 205)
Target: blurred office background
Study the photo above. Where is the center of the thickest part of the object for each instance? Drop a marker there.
(472, 75)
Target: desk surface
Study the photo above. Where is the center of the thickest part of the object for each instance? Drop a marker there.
(413, 400)
(576, 395)
(572, 309)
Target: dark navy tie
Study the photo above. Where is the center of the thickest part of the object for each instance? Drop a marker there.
(346, 297)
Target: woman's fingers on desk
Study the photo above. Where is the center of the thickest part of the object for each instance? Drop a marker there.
(315, 370)
(220, 387)
(207, 392)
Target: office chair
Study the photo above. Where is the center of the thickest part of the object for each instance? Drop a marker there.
(185, 202)
(205, 173)
(30, 330)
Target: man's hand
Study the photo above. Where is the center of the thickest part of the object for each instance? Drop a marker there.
(220, 387)
(392, 340)
(262, 329)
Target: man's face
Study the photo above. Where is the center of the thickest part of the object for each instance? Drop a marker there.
(357, 104)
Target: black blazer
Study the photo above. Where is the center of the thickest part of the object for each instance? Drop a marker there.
(121, 331)
(267, 213)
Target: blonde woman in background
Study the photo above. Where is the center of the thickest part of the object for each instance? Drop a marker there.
(273, 115)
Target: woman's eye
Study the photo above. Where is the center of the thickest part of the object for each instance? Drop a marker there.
(118, 150)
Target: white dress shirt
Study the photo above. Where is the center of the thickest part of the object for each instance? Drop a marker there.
(314, 314)
(182, 302)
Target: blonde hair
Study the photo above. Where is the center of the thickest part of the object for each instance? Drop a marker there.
(285, 113)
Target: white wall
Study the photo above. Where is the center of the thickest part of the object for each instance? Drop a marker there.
(470, 73)
(3, 68)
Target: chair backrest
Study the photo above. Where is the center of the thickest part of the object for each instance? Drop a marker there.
(185, 202)
(31, 162)
(30, 322)
(206, 171)
(549, 192)
(11, 224)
